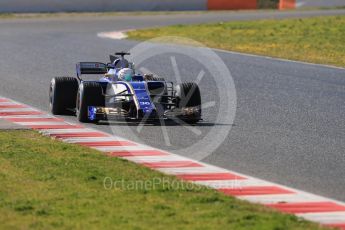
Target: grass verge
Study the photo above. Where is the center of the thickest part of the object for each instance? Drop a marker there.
(48, 184)
(317, 40)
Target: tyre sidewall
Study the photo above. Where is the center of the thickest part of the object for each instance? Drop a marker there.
(182, 91)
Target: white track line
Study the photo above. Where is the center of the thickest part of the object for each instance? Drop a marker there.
(121, 148)
(9, 103)
(116, 35)
(90, 139)
(41, 123)
(66, 131)
(240, 183)
(17, 110)
(192, 170)
(29, 116)
(285, 198)
(279, 59)
(325, 217)
(154, 159)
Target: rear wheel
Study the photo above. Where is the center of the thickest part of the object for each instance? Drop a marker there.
(89, 94)
(188, 96)
(62, 94)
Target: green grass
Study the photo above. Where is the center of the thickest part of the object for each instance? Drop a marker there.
(47, 184)
(318, 40)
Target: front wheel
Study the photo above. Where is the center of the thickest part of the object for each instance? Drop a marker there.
(89, 94)
(189, 99)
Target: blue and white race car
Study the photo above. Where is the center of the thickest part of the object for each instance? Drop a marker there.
(121, 93)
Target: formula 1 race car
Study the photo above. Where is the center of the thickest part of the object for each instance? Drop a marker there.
(121, 93)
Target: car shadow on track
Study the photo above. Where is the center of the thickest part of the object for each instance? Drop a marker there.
(157, 123)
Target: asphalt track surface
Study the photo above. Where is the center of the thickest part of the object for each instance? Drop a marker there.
(289, 126)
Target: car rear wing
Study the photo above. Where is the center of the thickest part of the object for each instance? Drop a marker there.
(91, 68)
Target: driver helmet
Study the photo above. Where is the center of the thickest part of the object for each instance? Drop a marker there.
(126, 74)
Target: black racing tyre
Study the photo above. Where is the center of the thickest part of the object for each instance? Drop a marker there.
(62, 94)
(188, 95)
(89, 94)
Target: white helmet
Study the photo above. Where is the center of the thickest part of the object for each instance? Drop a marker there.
(126, 74)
